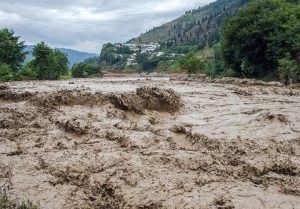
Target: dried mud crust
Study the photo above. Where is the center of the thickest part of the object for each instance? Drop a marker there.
(148, 98)
(89, 151)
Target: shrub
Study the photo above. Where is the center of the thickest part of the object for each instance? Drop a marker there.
(6, 73)
(287, 70)
(5, 203)
(85, 70)
(192, 64)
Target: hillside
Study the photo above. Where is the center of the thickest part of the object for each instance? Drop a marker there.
(198, 27)
(73, 55)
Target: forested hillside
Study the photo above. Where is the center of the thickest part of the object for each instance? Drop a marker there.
(200, 27)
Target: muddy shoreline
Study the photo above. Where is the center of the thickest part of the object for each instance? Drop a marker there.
(150, 143)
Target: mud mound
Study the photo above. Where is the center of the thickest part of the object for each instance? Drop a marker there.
(3, 87)
(159, 99)
(66, 98)
(129, 102)
(11, 95)
(148, 98)
(12, 118)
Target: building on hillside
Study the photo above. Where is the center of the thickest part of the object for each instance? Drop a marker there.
(149, 47)
(133, 47)
(132, 60)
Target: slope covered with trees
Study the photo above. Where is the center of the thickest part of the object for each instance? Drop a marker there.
(199, 27)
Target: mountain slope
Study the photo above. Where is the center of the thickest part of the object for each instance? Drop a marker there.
(74, 56)
(200, 26)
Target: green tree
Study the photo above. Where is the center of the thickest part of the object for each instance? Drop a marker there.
(259, 35)
(48, 64)
(192, 64)
(11, 49)
(85, 70)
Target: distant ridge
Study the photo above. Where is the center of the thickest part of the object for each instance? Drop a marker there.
(74, 56)
(200, 26)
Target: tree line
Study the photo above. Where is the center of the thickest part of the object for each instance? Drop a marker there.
(260, 41)
(47, 63)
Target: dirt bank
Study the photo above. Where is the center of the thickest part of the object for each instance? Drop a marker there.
(150, 143)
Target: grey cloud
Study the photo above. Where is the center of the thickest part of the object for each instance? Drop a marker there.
(87, 24)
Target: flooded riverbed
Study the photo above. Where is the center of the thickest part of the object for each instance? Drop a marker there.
(150, 143)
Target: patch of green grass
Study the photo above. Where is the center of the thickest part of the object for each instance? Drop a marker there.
(6, 203)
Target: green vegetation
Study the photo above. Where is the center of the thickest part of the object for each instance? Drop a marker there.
(288, 70)
(192, 64)
(5, 203)
(262, 39)
(48, 64)
(11, 50)
(194, 30)
(86, 70)
(114, 57)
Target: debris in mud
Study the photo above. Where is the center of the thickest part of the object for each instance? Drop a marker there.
(223, 203)
(74, 126)
(245, 82)
(122, 140)
(14, 119)
(274, 117)
(14, 96)
(242, 92)
(148, 98)
(3, 87)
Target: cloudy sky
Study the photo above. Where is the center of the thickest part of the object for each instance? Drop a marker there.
(86, 24)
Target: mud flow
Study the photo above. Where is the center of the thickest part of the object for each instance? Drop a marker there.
(150, 143)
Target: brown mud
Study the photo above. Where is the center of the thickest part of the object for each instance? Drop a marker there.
(150, 143)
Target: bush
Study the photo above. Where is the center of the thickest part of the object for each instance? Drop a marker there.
(192, 64)
(86, 70)
(5, 203)
(26, 73)
(6, 73)
(288, 70)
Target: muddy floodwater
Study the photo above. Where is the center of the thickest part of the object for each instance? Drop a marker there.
(113, 143)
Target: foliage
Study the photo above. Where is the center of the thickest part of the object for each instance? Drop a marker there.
(260, 35)
(168, 66)
(11, 49)
(142, 57)
(288, 70)
(215, 66)
(85, 70)
(5, 203)
(92, 60)
(192, 64)
(109, 55)
(6, 73)
(123, 50)
(48, 64)
(199, 28)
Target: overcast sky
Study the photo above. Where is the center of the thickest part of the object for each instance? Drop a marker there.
(86, 24)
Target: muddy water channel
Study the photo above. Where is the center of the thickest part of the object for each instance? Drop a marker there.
(150, 143)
